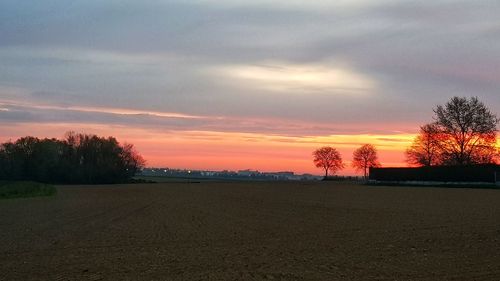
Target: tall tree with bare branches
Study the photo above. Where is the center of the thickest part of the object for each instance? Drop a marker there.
(329, 159)
(470, 130)
(426, 148)
(364, 158)
(463, 133)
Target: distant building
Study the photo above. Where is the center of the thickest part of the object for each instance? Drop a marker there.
(285, 174)
(472, 174)
(248, 173)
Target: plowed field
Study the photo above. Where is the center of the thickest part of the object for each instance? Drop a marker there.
(252, 231)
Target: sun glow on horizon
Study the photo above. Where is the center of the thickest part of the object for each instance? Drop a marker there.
(209, 150)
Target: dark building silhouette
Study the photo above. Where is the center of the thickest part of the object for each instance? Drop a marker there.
(488, 173)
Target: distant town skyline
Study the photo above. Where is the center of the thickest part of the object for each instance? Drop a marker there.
(233, 85)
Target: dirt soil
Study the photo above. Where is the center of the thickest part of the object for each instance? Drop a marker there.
(252, 231)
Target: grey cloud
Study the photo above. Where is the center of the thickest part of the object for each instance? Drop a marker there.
(420, 53)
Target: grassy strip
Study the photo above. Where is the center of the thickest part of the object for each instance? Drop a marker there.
(22, 189)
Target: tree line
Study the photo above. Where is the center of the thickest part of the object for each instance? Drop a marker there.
(463, 133)
(76, 159)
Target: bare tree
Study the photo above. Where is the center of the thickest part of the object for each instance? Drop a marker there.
(425, 149)
(329, 159)
(470, 131)
(364, 158)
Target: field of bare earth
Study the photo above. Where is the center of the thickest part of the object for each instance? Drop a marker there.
(252, 231)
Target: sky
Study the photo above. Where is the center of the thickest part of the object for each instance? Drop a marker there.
(243, 84)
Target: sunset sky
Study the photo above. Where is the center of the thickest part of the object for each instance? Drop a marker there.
(243, 84)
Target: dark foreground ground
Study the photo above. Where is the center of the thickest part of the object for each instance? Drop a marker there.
(252, 231)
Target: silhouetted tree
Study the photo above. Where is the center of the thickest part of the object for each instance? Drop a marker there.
(425, 149)
(77, 159)
(45, 162)
(364, 158)
(329, 159)
(132, 160)
(469, 131)
(12, 161)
